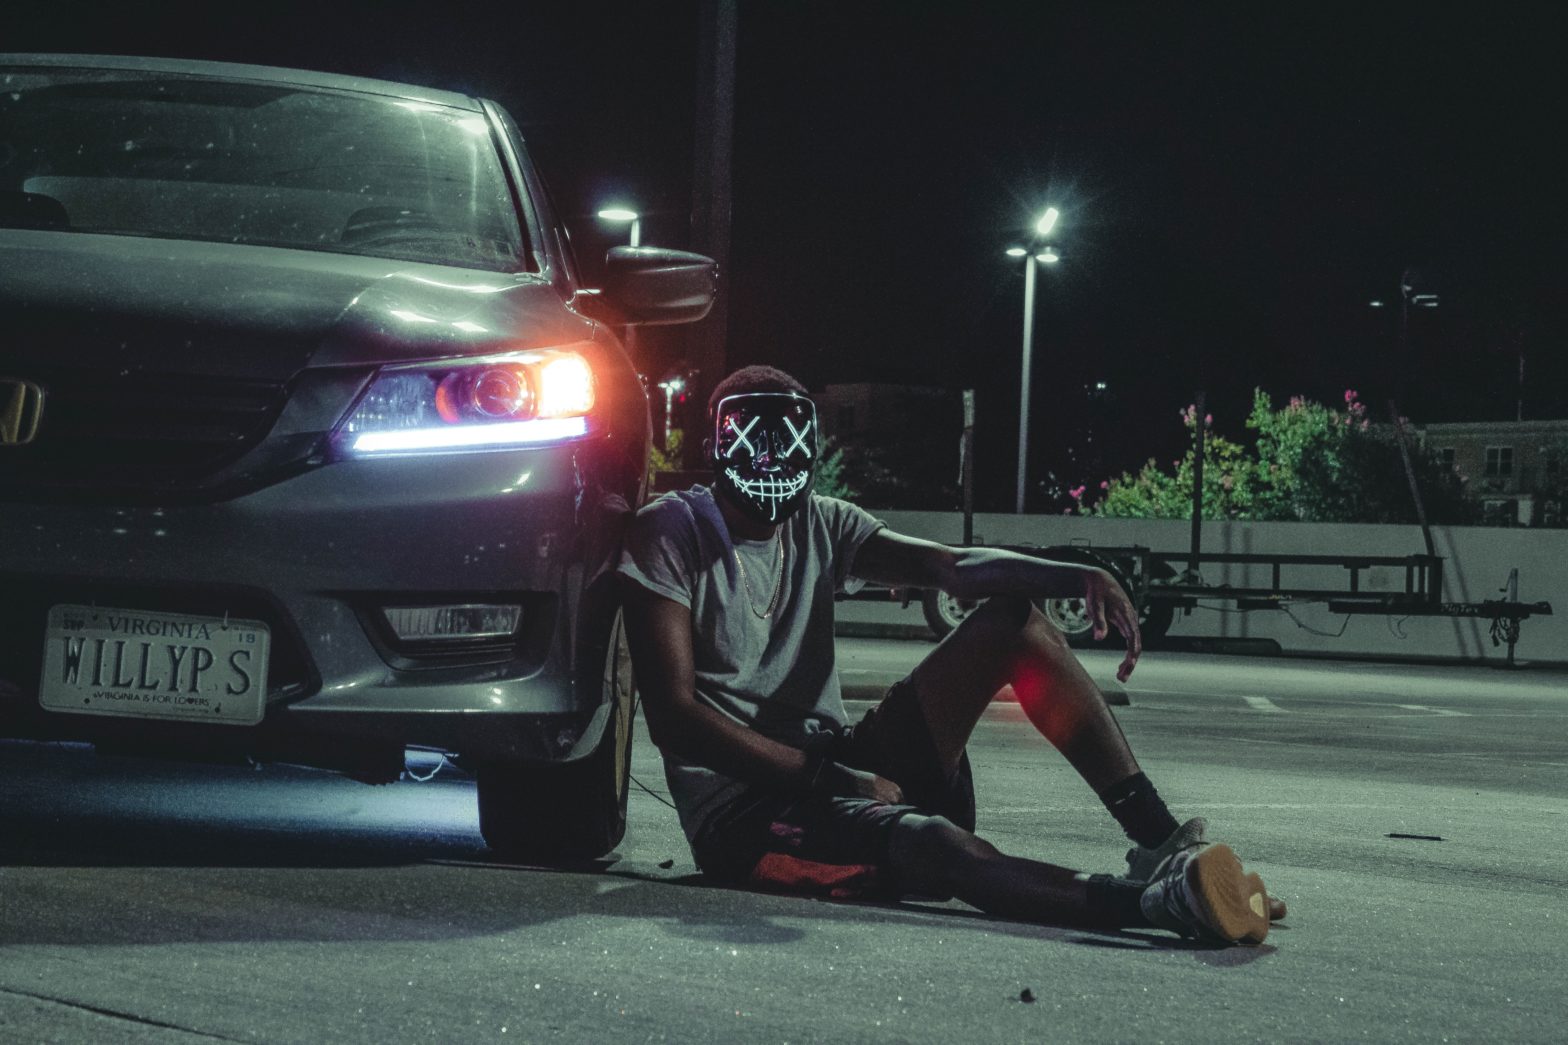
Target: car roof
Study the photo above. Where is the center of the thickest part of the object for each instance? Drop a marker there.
(237, 71)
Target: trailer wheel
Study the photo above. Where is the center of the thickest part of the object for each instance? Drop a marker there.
(1071, 616)
(1157, 616)
(944, 612)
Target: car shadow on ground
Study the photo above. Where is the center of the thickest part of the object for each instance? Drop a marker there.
(105, 851)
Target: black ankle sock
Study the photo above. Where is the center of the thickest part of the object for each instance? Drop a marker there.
(1113, 902)
(1137, 806)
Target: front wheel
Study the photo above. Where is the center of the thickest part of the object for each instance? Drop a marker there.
(574, 811)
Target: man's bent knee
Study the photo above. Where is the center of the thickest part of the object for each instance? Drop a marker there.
(1009, 610)
(1020, 621)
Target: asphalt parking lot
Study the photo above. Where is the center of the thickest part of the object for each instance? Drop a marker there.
(1412, 816)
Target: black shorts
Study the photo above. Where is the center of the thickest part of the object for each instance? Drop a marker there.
(840, 846)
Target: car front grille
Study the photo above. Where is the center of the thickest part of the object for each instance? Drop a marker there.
(139, 430)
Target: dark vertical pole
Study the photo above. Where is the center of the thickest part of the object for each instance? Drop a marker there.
(1403, 439)
(710, 195)
(1031, 267)
(1402, 355)
(1519, 402)
(1197, 484)
(966, 466)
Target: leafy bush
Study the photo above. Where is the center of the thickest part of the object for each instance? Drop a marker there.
(1229, 483)
(662, 460)
(1309, 464)
(831, 480)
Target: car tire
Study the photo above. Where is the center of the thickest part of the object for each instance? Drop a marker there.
(575, 811)
(944, 612)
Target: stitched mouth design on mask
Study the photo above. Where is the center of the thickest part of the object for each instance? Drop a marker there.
(768, 490)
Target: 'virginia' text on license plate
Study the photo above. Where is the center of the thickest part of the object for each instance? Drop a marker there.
(145, 664)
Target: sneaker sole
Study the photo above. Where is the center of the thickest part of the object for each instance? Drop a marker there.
(1234, 904)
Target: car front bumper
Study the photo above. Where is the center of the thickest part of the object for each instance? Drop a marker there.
(315, 556)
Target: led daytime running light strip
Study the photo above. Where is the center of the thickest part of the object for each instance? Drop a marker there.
(504, 434)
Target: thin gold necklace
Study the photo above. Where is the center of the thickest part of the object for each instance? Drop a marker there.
(778, 581)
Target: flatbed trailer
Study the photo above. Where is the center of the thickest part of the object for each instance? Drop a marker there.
(1160, 583)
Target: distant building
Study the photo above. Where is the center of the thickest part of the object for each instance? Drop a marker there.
(1505, 466)
(857, 412)
(900, 442)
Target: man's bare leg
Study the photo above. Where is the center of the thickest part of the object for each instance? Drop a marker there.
(1009, 642)
(1208, 895)
(934, 856)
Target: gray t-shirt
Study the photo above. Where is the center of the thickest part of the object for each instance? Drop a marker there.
(774, 674)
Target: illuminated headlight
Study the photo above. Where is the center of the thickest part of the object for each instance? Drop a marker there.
(517, 399)
(452, 623)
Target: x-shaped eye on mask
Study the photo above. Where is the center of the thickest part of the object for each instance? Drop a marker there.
(800, 437)
(742, 433)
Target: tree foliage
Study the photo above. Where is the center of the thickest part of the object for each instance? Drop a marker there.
(1229, 483)
(1308, 463)
(667, 460)
(831, 480)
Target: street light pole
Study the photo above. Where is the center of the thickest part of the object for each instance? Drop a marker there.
(1049, 256)
(1402, 360)
(1023, 385)
(634, 239)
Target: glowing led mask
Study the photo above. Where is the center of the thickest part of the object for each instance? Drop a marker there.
(765, 452)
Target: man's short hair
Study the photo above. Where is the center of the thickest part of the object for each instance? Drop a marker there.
(754, 379)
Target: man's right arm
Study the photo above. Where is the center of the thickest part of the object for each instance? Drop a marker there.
(658, 631)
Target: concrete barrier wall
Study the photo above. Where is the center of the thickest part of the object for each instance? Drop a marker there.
(1476, 565)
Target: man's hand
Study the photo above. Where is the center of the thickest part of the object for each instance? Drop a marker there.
(1106, 602)
(841, 781)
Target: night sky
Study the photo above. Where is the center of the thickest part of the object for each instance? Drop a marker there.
(1236, 182)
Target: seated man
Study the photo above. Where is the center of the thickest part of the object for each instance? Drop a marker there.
(729, 614)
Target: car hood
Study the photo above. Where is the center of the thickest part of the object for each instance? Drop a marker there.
(230, 310)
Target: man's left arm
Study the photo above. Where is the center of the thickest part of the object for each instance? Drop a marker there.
(975, 573)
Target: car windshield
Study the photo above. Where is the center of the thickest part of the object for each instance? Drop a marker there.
(186, 157)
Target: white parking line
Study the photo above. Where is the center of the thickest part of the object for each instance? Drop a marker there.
(1263, 704)
(1435, 711)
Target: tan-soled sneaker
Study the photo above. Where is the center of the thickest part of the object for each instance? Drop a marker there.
(1145, 865)
(1205, 893)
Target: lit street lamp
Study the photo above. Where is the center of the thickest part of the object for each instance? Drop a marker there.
(1044, 255)
(625, 214)
(622, 214)
(1397, 405)
(672, 386)
(1407, 298)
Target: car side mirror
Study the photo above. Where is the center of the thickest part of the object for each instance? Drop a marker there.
(655, 286)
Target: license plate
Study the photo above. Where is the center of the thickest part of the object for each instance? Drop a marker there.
(143, 664)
